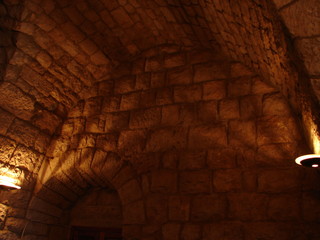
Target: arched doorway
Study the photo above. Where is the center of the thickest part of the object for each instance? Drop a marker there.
(96, 216)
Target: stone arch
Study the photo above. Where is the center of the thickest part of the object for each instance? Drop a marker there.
(54, 197)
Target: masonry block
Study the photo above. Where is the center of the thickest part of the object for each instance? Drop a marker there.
(202, 137)
(195, 181)
(208, 208)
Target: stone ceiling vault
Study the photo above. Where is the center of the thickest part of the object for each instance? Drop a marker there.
(80, 78)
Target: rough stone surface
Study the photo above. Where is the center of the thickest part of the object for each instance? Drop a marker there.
(168, 119)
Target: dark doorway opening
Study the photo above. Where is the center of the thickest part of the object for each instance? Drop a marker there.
(92, 233)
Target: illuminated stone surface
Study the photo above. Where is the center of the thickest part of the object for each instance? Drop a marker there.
(188, 114)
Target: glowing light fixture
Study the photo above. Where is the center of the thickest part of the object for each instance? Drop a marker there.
(8, 183)
(310, 160)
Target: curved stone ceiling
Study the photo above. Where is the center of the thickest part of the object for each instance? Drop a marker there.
(58, 50)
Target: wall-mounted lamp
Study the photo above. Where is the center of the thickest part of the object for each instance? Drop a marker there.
(8, 183)
(9, 177)
(310, 160)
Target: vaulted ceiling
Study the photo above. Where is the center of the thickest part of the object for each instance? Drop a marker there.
(57, 50)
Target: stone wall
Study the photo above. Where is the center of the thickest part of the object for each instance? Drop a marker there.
(172, 130)
(197, 147)
(98, 208)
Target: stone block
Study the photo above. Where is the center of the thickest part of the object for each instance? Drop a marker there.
(94, 125)
(188, 114)
(170, 159)
(132, 141)
(223, 230)
(214, 90)
(171, 231)
(98, 161)
(209, 71)
(249, 180)
(164, 139)
(207, 208)
(309, 51)
(276, 155)
(164, 181)
(248, 206)
(121, 174)
(158, 79)
(221, 158)
(208, 111)
(275, 104)
(284, 207)
(239, 87)
(281, 3)
(44, 59)
(179, 208)
(142, 81)
(148, 98)
(23, 132)
(130, 101)
(305, 22)
(153, 64)
(261, 87)
(191, 93)
(276, 129)
(7, 147)
(242, 133)
(280, 180)
(164, 96)
(27, 45)
(27, 159)
(124, 85)
(310, 211)
(146, 118)
(145, 162)
(174, 60)
(36, 229)
(239, 70)
(195, 181)
(99, 58)
(250, 106)
(92, 106)
(180, 76)
(170, 115)
(45, 207)
(192, 160)
(130, 192)
(200, 56)
(207, 136)
(46, 121)
(134, 213)
(73, 32)
(15, 101)
(191, 232)
(3, 215)
(110, 104)
(138, 66)
(107, 142)
(122, 17)
(87, 140)
(157, 208)
(116, 121)
(41, 217)
(227, 180)
(229, 109)
(268, 230)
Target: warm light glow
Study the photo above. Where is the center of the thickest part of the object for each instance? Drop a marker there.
(304, 157)
(310, 160)
(8, 182)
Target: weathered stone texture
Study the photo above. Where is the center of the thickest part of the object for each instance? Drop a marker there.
(140, 98)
